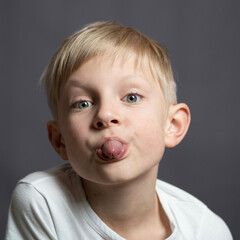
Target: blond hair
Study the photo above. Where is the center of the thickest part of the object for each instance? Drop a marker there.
(117, 40)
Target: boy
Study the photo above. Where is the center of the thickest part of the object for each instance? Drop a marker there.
(113, 98)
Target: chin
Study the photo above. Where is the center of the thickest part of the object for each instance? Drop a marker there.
(116, 179)
(121, 176)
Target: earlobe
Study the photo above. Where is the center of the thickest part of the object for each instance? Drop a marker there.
(177, 124)
(56, 139)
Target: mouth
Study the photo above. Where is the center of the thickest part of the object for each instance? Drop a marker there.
(112, 150)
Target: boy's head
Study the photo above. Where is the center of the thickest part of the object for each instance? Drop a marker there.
(115, 40)
(109, 88)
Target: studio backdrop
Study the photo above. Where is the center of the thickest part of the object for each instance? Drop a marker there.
(202, 39)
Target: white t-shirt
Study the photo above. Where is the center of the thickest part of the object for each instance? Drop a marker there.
(52, 205)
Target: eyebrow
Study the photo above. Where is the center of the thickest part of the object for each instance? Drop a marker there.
(74, 83)
(131, 79)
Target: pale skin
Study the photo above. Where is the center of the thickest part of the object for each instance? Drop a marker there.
(112, 99)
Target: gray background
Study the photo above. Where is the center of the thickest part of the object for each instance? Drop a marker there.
(202, 38)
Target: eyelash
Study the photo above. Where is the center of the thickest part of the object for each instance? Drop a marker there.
(125, 99)
(133, 94)
(76, 105)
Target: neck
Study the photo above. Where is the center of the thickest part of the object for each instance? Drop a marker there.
(128, 205)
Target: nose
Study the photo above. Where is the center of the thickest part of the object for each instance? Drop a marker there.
(106, 117)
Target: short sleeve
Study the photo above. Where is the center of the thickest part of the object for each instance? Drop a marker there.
(29, 215)
(213, 227)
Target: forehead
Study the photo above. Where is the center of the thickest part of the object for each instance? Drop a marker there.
(122, 66)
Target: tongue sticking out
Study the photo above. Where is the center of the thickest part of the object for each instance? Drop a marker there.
(111, 149)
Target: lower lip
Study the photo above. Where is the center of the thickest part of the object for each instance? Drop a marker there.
(120, 156)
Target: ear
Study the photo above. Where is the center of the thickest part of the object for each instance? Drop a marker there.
(177, 124)
(56, 139)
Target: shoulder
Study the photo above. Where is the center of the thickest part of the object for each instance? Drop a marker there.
(46, 188)
(38, 184)
(191, 216)
(57, 180)
(36, 201)
(51, 174)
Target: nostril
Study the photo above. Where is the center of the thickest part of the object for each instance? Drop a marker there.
(114, 121)
(99, 124)
(103, 124)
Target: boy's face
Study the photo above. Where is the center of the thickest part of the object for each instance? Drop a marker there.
(112, 121)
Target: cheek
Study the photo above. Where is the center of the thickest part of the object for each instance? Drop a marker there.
(150, 131)
(74, 135)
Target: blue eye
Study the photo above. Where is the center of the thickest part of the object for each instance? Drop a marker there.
(83, 104)
(132, 98)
